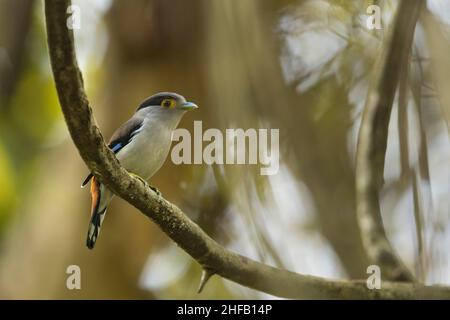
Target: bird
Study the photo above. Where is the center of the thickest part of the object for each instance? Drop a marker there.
(141, 145)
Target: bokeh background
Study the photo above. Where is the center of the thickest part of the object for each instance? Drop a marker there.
(301, 66)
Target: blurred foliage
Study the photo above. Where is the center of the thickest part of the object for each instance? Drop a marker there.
(301, 66)
(27, 121)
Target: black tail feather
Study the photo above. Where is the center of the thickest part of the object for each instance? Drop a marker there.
(94, 228)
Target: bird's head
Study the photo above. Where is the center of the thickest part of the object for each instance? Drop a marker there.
(167, 102)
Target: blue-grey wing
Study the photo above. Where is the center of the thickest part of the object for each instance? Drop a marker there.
(121, 137)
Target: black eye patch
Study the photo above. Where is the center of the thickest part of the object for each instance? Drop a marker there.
(156, 100)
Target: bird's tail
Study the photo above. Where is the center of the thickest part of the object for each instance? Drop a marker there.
(101, 197)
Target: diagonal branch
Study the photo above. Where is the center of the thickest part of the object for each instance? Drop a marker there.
(188, 235)
(372, 141)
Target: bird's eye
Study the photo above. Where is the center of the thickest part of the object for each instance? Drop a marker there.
(168, 103)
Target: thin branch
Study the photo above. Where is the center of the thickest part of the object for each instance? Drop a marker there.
(416, 84)
(406, 171)
(403, 122)
(188, 235)
(372, 141)
(206, 275)
(418, 217)
(439, 47)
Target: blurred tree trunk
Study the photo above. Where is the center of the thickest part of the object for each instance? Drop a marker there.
(15, 20)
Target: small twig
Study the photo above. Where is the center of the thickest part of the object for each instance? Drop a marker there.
(439, 48)
(403, 122)
(418, 217)
(206, 275)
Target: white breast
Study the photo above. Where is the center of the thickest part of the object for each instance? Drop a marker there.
(146, 153)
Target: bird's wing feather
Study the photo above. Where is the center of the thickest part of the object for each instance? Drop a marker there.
(124, 134)
(121, 137)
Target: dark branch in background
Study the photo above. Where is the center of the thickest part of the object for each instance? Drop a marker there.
(372, 141)
(406, 170)
(188, 235)
(15, 21)
(439, 48)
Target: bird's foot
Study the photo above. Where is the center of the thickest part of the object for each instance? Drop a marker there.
(146, 184)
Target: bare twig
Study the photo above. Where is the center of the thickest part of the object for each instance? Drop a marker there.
(188, 235)
(418, 217)
(372, 141)
(439, 47)
(206, 275)
(406, 171)
(403, 122)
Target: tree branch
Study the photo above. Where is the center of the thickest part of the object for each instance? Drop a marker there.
(372, 141)
(439, 47)
(188, 235)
